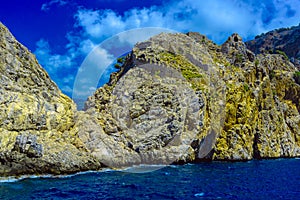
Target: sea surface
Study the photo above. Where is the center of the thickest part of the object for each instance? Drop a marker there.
(258, 179)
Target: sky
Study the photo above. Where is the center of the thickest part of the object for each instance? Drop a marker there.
(62, 33)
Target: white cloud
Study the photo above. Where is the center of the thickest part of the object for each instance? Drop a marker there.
(99, 23)
(217, 19)
(133, 36)
(91, 71)
(67, 89)
(214, 18)
(67, 79)
(50, 61)
(46, 6)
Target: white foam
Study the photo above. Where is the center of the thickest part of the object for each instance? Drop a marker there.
(142, 168)
(8, 180)
(11, 179)
(189, 164)
(199, 194)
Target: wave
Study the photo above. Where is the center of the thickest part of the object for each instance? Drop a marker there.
(143, 168)
(12, 179)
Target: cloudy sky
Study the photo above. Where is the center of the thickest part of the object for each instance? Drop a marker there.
(62, 32)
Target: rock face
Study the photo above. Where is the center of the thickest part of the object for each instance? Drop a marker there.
(281, 40)
(37, 132)
(157, 106)
(177, 98)
(262, 107)
(249, 104)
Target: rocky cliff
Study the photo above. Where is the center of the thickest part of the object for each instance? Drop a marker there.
(37, 132)
(284, 40)
(177, 98)
(240, 106)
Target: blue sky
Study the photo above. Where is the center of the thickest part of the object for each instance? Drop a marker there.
(62, 32)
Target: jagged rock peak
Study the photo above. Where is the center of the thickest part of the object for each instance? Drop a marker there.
(20, 71)
(285, 41)
(37, 134)
(236, 51)
(177, 98)
(234, 39)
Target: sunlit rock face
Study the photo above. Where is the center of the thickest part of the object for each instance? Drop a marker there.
(249, 104)
(177, 98)
(284, 41)
(36, 119)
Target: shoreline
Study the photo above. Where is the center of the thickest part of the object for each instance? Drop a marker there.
(133, 169)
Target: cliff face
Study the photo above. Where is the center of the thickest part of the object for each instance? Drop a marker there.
(262, 107)
(156, 107)
(285, 40)
(36, 119)
(177, 98)
(249, 104)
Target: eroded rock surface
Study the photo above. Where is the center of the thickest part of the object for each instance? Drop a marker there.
(250, 103)
(36, 119)
(285, 41)
(177, 98)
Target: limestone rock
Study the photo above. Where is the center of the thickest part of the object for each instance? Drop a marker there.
(156, 109)
(249, 104)
(285, 41)
(28, 145)
(36, 119)
(177, 98)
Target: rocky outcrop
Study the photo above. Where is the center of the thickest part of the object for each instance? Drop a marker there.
(177, 98)
(37, 132)
(249, 104)
(284, 41)
(157, 105)
(259, 109)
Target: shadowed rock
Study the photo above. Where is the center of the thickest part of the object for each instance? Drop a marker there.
(37, 134)
(177, 98)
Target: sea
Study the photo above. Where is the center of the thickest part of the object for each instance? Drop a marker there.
(257, 179)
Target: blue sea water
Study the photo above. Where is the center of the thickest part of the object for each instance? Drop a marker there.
(258, 179)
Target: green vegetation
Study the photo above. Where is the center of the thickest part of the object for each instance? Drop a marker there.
(297, 77)
(120, 62)
(188, 74)
(239, 57)
(282, 53)
(256, 63)
(189, 71)
(272, 75)
(276, 30)
(227, 64)
(284, 29)
(117, 66)
(157, 73)
(246, 87)
(259, 36)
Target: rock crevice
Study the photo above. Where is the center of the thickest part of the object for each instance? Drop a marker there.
(177, 98)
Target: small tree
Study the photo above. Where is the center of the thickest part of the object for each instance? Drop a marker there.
(120, 62)
(283, 54)
(297, 77)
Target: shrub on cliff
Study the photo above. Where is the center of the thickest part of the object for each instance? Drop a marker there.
(283, 54)
(297, 77)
